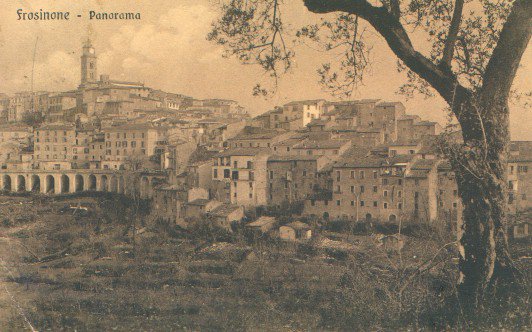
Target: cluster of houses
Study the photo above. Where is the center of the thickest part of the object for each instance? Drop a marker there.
(361, 160)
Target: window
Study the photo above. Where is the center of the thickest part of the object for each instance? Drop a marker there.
(353, 189)
(250, 164)
(385, 205)
(511, 170)
(362, 189)
(361, 203)
(416, 195)
(352, 174)
(338, 189)
(375, 174)
(375, 203)
(338, 176)
(375, 189)
(133, 144)
(416, 182)
(352, 203)
(455, 205)
(234, 175)
(227, 174)
(511, 185)
(385, 193)
(215, 174)
(271, 175)
(304, 172)
(399, 194)
(338, 203)
(400, 206)
(455, 193)
(384, 181)
(400, 182)
(361, 174)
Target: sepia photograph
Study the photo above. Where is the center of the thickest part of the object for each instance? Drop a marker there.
(265, 165)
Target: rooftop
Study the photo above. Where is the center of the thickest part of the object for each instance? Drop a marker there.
(298, 225)
(325, 144)
(264, 220)
(243, 152)
(224, 210)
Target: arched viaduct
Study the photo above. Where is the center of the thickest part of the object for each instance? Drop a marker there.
(72, 181)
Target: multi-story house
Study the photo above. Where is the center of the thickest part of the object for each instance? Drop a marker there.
(240, 176)
(292, 178)
(53, 146)
(133, 146)
(519, 179)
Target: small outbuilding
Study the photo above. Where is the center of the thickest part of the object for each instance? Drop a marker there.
(262, 225)
(296, 230)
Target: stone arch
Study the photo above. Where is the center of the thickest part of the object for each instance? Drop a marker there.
(79, 183)
(50, 184)
(392, 218)
(6, 182)
(92, 182)
(369, 217)
(113, 184)
(121, 185)
(35, 183)
(21, 183)
(65, 183)
(103, 183)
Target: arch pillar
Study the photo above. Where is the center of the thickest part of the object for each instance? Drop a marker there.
(72, 184)
(42, 177)
(14, 182)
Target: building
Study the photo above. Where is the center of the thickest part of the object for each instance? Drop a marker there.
(53, 146)
(261, 226)
(240, 176)
(133, 146)
(292, 179)
(295, 231)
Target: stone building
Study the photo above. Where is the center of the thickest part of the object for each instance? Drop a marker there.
(133, 146)
(292, 178)
(53, 146)
(240, 176)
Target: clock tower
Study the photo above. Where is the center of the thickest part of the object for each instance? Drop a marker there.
(88, 64)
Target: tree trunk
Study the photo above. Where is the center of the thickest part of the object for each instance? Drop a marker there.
(480, 168)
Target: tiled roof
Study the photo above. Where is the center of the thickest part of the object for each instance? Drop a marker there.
(243, 152)
(325, 144)
(224, 210)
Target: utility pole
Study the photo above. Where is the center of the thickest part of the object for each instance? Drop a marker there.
(33, 70)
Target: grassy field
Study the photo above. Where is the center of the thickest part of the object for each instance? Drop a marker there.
(65, 271)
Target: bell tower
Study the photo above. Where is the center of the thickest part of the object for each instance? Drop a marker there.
(88, 64)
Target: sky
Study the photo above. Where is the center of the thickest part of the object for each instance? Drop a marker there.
(167, 50)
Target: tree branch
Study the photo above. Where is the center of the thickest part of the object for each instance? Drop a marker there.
(395, 8)
(388, 26)
(513, 41)
(454, 28)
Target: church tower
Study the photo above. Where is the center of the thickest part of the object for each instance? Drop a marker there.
(88, 64)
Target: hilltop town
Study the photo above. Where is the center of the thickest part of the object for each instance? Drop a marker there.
(360, 160)
(124, 207)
